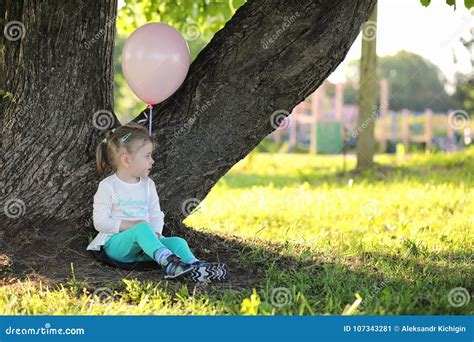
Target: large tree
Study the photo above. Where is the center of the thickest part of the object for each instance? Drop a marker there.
(58, 86)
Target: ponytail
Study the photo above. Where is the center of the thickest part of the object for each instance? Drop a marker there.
(101, 161)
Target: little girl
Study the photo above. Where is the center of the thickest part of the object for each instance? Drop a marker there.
(127, 210)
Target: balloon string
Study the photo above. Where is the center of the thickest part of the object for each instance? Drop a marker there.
(149, 124)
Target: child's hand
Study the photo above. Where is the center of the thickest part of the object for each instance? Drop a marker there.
(125, 224)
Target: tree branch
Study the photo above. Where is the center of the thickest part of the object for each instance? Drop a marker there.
(270, 56)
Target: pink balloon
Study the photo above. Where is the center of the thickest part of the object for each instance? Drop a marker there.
(155, 61)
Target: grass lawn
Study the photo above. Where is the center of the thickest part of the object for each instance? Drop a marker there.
(396, 240)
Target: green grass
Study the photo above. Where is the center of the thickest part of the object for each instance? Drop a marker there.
(395, 240)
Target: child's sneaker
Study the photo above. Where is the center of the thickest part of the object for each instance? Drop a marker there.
(209, 272)
(174, 268)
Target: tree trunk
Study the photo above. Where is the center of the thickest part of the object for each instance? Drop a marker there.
(48, 137)
(367, 95)
(270, 56)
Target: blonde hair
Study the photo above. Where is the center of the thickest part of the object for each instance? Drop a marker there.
(122, 138)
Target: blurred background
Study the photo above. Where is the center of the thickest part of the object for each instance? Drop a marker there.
(425, 79)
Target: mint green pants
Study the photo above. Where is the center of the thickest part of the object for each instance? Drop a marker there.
(139, 243)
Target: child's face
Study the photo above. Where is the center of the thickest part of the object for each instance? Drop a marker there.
(139, 164)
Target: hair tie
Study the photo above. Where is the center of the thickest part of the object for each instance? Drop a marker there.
(105, 139)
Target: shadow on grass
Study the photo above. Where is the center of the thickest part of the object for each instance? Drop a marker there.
(321, 283)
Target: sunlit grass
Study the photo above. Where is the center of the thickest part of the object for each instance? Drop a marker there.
(400, 237)
(292, 198)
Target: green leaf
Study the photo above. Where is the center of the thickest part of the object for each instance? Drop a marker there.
(451, 3)
(468, 3)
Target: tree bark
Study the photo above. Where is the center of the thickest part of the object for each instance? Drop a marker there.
(270, 56)
(48, 137)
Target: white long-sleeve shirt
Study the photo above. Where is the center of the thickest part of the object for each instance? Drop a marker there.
(116, 200)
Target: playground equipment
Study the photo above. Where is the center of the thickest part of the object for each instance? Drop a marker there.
(324, 123)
